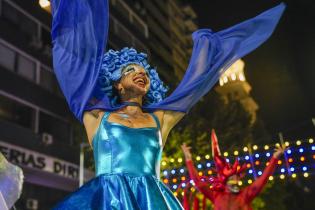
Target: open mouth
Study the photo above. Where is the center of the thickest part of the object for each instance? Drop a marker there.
(140, 81)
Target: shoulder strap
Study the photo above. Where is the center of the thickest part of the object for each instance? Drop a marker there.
(156, 119)
(106, 115)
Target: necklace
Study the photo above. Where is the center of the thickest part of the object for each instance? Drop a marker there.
(128, 103)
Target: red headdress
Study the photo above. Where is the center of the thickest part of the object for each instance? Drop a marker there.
(223, 168)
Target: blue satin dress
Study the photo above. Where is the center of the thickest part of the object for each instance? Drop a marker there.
(127, 164)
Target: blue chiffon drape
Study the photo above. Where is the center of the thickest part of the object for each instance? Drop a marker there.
(80, 31)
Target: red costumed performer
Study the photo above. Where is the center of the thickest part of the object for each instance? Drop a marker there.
(223, 190)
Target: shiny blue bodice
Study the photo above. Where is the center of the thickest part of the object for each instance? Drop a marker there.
(120, 149)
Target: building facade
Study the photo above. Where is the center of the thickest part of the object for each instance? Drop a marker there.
(233, 86)
(37, 130)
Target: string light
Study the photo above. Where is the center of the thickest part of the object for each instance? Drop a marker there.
(287, 144)
(240, 183)
(294, 151)
(270, 178)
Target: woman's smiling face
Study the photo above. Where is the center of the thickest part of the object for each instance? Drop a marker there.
(135, 80)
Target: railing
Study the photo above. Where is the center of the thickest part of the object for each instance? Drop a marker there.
(40, 27)
(132, 16)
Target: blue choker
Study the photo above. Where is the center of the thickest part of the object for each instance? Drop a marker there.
(127, 103)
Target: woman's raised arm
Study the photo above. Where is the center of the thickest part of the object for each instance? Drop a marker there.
(213, 53)
(79, 35)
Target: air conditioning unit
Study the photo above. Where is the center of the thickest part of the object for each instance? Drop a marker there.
(47, 139)
(31, 204)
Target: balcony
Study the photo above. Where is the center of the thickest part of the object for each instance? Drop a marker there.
(124, 10)
(125, 35)
(26, 138)
(25, 31)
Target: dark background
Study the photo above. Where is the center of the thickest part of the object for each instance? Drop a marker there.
(281, 71)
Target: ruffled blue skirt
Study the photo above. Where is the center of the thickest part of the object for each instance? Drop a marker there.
(123, 192)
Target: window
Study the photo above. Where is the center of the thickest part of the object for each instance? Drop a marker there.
(26, 68)
(25, 24)
(17, 113)
(48, 81)
(7, 57)
(59, 129)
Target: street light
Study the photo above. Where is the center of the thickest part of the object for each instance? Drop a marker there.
(44, 3)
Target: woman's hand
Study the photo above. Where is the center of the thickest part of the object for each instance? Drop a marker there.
(186, 151)
(280, 149)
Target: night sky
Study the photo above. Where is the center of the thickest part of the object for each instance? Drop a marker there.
(281, 72)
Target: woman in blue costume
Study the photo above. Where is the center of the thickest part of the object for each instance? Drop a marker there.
(122, 102)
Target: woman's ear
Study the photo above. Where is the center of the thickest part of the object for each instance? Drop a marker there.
(118, 87)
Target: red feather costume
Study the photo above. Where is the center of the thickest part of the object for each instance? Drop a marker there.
(217, 191)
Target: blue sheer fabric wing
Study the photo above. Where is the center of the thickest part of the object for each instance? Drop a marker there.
(213, 53)
(79, 34)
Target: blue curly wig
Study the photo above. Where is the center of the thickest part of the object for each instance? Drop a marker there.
(112, 64)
